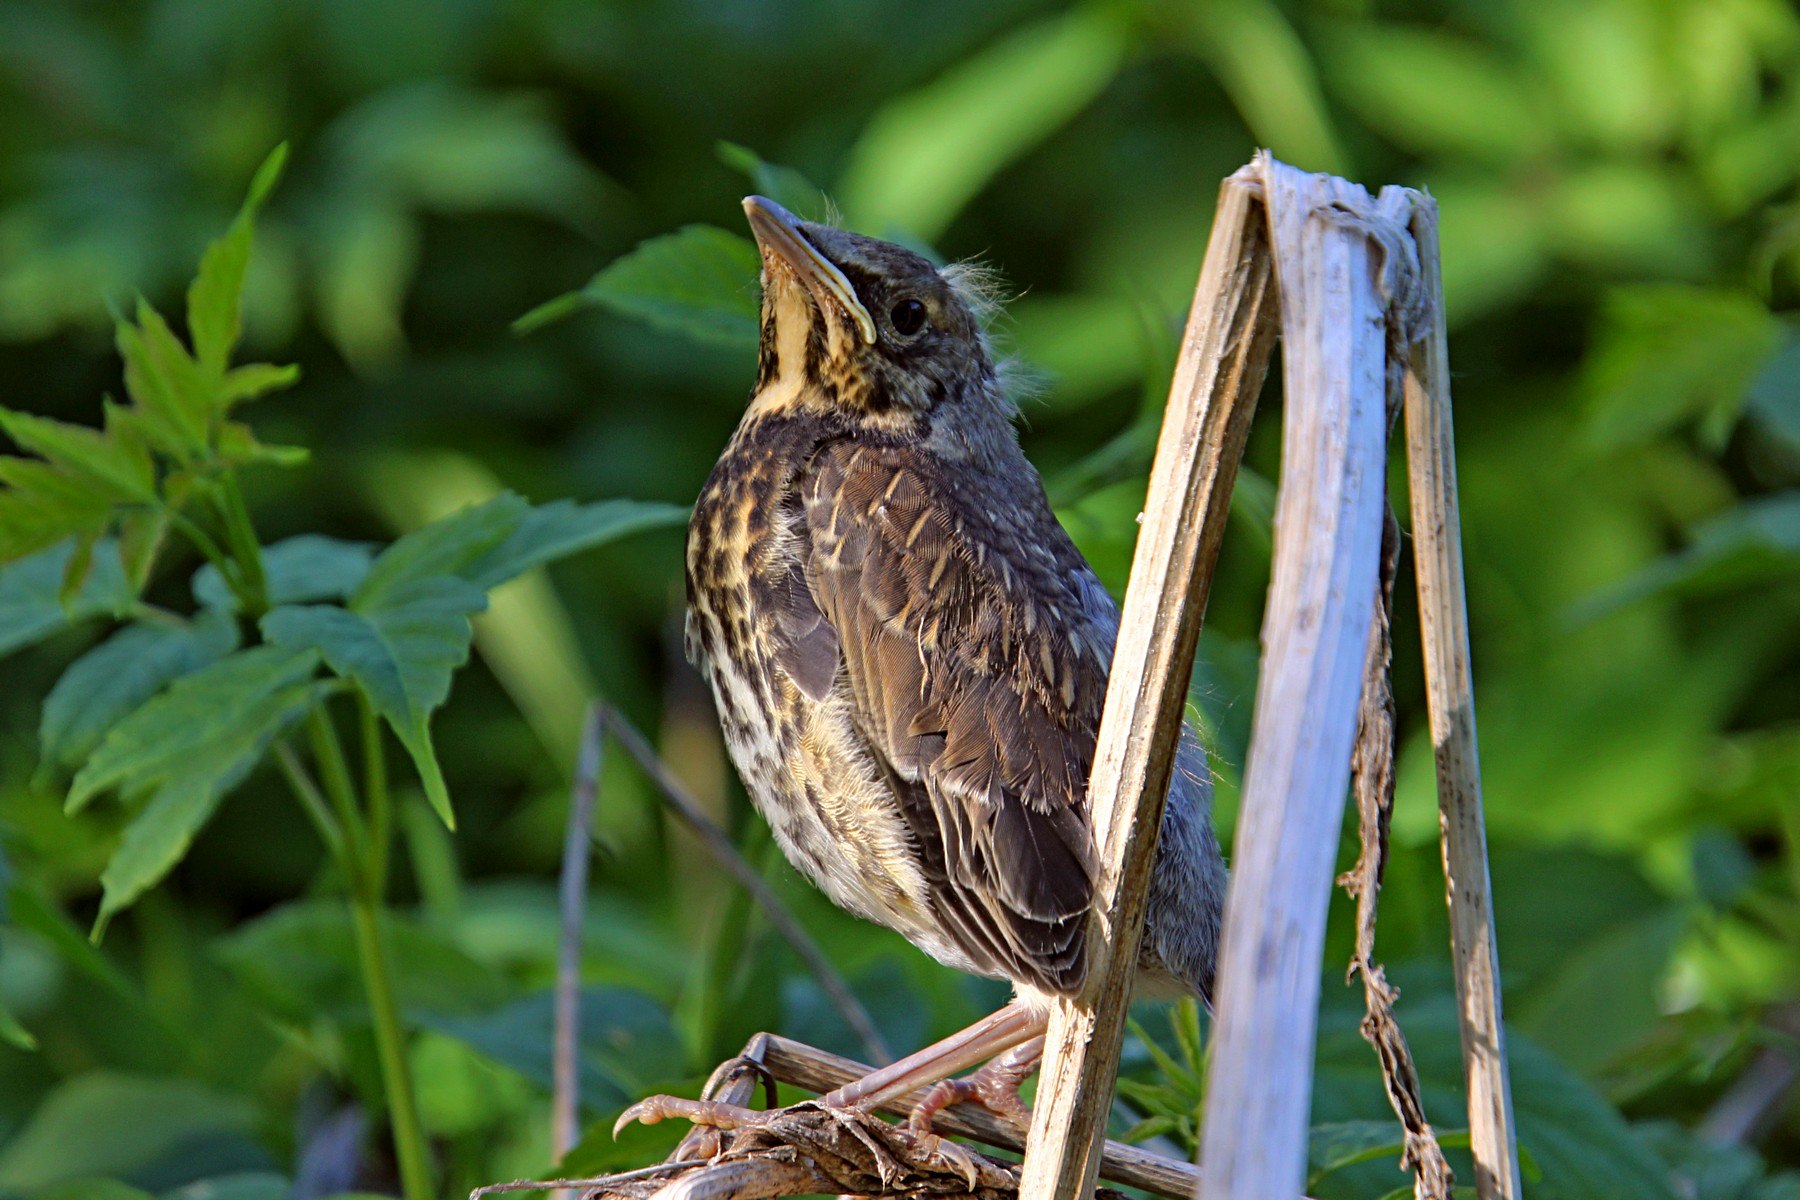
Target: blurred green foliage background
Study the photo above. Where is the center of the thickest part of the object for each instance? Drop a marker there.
(1622, 256)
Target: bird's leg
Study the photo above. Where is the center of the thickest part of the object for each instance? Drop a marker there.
(995, 1087)
(992, 1035)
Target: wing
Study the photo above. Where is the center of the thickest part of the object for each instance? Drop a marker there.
(961, 623)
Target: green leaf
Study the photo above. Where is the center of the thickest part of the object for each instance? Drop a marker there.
(13, 1033)
(116, 467)
(628, 1044)
(556, 530)
(1669, 353)
(299, 963)
(699, 282)
(246, 1185)
(400, 644)
(174, 402)
(784, 185)
(202, 718)
(30, 607)
(1751, 544)
(42, 504)
(104, 685)
(255, 379)
(215, 298)
(926, 154)
(447, 546)
(1262, 63)
(106, 1123)
(188, 794)
(1437, 92)
(86, 1188)
(238, 447)
(299, 570)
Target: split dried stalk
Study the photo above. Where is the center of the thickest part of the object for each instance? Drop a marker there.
(1341, 265)
(1224, 355)
(1372, 776)
(1450, 696)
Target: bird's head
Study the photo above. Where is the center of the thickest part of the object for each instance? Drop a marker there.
(866, 331)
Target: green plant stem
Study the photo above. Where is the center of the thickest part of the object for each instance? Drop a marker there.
(375, 789)
(390, 1045)
(364, 866)
(312, 801)
(241, 535)
(214, 554)
(334, 772)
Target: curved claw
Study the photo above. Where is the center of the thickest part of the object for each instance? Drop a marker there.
(714, 1113)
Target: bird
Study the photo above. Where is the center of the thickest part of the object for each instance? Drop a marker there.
(909, 655)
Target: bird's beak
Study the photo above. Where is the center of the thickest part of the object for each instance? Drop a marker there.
(778, 232)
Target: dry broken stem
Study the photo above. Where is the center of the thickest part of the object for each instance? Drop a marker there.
(1372, 780)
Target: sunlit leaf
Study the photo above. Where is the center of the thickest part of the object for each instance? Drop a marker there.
(926, 154)
(1437, 92)
(699, 281)
(114, 678)
(400, 644)
(1670, 353)
(215, 299)
(1261, 61)
(1756, 542)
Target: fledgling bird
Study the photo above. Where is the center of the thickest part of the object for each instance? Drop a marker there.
(909, 655)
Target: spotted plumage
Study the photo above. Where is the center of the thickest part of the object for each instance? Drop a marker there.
(908, 654)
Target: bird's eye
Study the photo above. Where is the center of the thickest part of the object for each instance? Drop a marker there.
(907, 317)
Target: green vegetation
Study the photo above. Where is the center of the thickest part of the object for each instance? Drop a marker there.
(230, 742)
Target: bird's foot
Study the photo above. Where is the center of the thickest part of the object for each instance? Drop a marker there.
(995, 1087)
(715, 1114)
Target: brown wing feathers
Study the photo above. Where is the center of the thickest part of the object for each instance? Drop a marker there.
(982, 719)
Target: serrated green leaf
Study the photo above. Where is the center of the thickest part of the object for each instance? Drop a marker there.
(238, 447)
(926, 154)
(42, 505)
(699, 281)
(107, 683)
(561, 528)
(200, 718)
(400, 644)
(30, 609)
(215, 298)
(118, 468)
(173, 400)
(141, 533)
(188, 795)
(256, 379)
(298, 570)
(448, 546)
